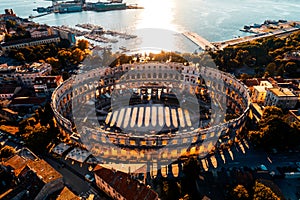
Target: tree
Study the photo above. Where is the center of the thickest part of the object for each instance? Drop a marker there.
(262, 192)
(291, 69)
(171, 190)
(38, 139)
(191, 168)
(271, 110)
(275, 130)
(83, 44)
(64, 56)
(77, 55)
(64, 43)
(7, 151)
(271, 68)
(240, 192)
(10, 24)
(54, 62)
(20, 57)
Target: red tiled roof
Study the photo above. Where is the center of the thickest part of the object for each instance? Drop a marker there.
(67, 194)
(17, 163)
(129, 188)
(44, 170)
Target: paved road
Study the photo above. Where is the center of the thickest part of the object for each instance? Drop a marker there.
(240, 155)
(75, 183)
(73, 176)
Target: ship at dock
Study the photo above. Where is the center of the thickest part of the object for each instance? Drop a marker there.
(106, 6)
(59, 6)
(68, 6)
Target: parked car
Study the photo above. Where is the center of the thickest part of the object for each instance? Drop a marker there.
(263, 167)
(89, 178)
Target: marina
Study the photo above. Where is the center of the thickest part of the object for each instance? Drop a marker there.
(96, 33)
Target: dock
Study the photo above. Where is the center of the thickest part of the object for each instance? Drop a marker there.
(200, 41)
(40, 15)
(277, 33)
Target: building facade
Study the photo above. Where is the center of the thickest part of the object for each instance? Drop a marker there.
(223, 87)
(260, 92)
(24, 75)
(7, 46)
(120, 186)
(281, 97)
(45, 85)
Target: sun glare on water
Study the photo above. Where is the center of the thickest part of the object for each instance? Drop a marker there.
(157, 14)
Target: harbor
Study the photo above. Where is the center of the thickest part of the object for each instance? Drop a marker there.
(82, 5)
(270, 26)
(199, 40)
(96, 33)
(263, 33)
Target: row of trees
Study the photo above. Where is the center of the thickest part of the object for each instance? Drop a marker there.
(258, 192)
(266, 56)
(59, 56)
(275, 130)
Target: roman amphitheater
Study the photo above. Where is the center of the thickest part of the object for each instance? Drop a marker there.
(151, 112)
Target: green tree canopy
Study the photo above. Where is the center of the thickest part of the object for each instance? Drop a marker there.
(240, 193)
(82, 44)
(275, 130)
(262, 192)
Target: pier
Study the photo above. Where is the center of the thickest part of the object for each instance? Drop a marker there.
(40, 15)
(200, 41)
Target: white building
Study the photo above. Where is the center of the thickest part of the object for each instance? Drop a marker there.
(260, 92)
(281, 97)
(25, 75)
(44, 85)
(7, 46)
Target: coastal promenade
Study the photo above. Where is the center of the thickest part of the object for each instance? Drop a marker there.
(236, 41)
(206, 45)
(200, 41)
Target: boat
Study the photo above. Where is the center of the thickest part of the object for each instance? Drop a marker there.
(123, 48)
(106, 6)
